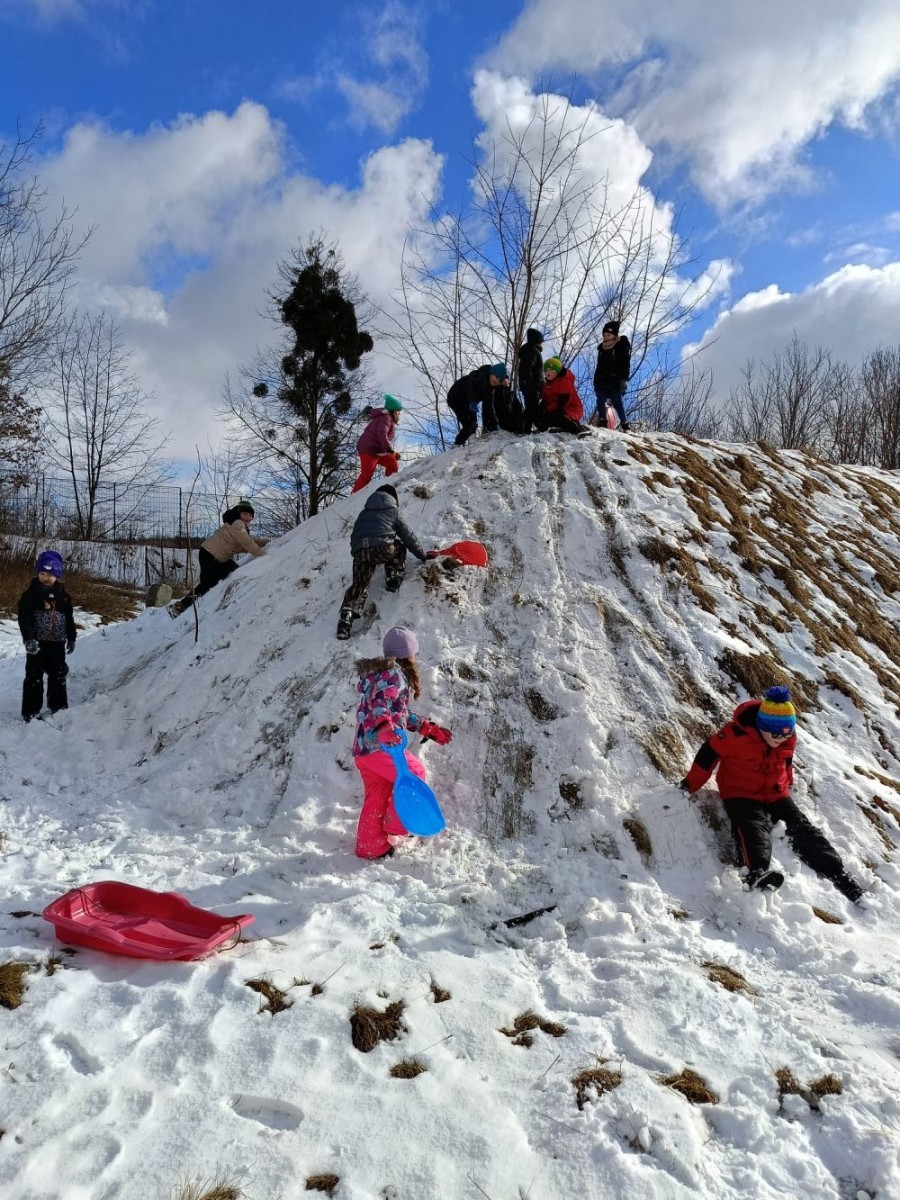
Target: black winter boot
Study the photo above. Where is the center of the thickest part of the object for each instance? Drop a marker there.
(765, 880)
(393, 580)
(848, 887)
(345, 624)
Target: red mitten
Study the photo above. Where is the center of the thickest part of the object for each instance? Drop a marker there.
(388, 736)
(437, 733)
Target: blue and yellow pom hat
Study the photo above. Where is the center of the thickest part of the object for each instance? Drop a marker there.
(776, 713)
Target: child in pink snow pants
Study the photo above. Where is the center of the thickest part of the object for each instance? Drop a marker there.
(384, 687)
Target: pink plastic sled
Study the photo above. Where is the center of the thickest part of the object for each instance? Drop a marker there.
(122, 919)
(473, 554)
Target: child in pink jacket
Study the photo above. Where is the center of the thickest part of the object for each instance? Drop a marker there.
(384, 687)
(376, 443)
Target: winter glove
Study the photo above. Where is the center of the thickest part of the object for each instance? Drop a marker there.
(437, 733)
(432, 553)
(32, 646)
(70, 646)
(388, 736)
(684, 786)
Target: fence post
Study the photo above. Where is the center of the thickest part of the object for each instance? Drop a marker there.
(43, 505)
(114, 513)
(179, 515)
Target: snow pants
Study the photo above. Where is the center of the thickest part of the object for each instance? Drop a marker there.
(556, 420)
(367, 465)
(212, 572)
(532, 409)
(751, 824)
(50, 660)
(613, 395)
(467, 415)
(378, 817)
(392, 554)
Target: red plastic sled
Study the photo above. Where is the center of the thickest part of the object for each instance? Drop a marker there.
(122, 919)
(473, 554)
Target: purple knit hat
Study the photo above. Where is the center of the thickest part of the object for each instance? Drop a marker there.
(51, 562)
(400, 642)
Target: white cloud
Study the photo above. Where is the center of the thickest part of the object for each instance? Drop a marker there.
(851, 311)
(191, 221)
(737, 90)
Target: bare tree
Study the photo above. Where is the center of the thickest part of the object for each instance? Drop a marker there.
(680, 402)
(880, 385)
(790, 400)
(544, 242)
(103, 435)
(225, 474)
(20, 424)
(37, 260)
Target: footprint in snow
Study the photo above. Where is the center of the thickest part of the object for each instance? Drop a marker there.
(276, 1114)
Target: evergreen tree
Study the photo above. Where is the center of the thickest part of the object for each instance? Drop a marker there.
(308, 420)
(19, 435)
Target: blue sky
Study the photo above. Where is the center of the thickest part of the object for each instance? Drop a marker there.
(203, 139)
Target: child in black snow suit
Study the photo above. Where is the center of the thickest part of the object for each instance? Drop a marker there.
(612, 374)
(379, 535)
(48, 631)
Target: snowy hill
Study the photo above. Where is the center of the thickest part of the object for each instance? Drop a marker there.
(639, 588)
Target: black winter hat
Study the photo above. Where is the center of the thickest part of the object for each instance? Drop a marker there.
(391, 491)
(535, 337)
(612, 327)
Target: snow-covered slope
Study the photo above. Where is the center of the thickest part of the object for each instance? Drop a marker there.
(638, 588)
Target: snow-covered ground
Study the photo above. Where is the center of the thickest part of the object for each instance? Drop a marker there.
(633, 581)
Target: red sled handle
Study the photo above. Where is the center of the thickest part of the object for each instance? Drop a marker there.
(473, 554)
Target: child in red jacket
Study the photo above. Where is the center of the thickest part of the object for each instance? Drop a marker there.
(754, 756)
(561, 406)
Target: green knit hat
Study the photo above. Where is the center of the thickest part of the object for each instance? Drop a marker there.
(391, 403)
(554, 364)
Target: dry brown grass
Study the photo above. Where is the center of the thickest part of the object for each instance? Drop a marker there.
(276, 1000)
(668, 557)
(594, 1082)
(207, 1189)
(825, 1085)
(690, 1085)
(878, 824)
(664, 748)
(407, 1068)
(728, 978)
(886, 807)
(639, 834)
(110, 601)
(539, 706)
(828, 917)
(12, 983)
(441, 995)
(788, 1083)
(527, 1021)
(369, 1026)
(756, 672)
(323, 1183)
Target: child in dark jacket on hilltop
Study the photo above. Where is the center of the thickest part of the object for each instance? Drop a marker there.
(376, 443)
(478, 387)
(379, 536)
(531, 377)
(754, 756)
(48, 631)
(612, 373)
(383, 688)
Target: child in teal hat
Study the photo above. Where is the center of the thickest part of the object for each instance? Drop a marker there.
(376, 443)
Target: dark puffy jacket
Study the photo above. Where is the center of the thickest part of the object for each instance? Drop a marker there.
(45, 613)
(471, 390)
(531, 368)
(613, 365)
(379, 523)
(561, 396)
(748, 768)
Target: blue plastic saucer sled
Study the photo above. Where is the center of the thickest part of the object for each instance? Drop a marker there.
(416, 804)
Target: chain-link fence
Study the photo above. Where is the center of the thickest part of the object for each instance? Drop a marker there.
(50, 507)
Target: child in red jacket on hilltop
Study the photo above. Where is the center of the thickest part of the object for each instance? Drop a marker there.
(754, 756)
(376, 443)
(561, 406)
(384, 687)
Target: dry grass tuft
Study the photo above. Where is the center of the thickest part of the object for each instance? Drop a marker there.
(663, 747)
(728, 978)
(552, 1028)
(756, 672)
(680, 914)
(523, 1022)
(880, 827)
(52, 963)
(421, 491)
(788, 1083)
(825, 1085)
(527, 1021)
(441, 995)
(323, 1183)
(885, 779)
(828, 917)
(524, 1039)
(594, 1082)
(888, 808)
(12, 983)
(540, 707)
(639, 834)
(208, 1189)
(276, 999)
(689, 1084)
(407, 1068)
(369, 1026)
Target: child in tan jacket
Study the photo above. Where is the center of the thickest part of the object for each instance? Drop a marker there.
(217, 553)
